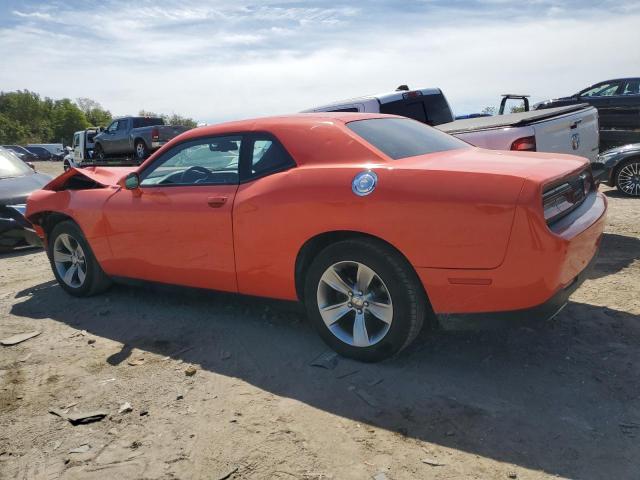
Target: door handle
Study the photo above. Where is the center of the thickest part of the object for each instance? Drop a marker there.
(217, 202)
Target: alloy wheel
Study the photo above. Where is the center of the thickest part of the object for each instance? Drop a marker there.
(629, 179)
(354, 303)
(70, 260)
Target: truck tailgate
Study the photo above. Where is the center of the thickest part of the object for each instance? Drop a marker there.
(167, 132)
(575, 133)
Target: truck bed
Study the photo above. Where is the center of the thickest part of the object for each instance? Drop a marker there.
(510, 120)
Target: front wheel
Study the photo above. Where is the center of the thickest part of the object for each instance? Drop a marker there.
(364, 300)
(628, 177)
(73, 263)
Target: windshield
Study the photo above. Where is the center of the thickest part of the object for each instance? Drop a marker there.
(401, 138)
(12, 166)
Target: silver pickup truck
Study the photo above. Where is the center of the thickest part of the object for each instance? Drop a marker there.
(137, 136)
(572, 129)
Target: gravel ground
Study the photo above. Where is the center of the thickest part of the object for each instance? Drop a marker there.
(558, 400)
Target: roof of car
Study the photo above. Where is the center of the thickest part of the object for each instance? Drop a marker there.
(267, 123)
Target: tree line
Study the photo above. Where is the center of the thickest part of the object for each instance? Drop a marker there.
(25, 118)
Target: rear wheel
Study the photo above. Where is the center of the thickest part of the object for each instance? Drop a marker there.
(628, 177)
(364, 300)
(98, 152)
(141, 150)
(73, 262)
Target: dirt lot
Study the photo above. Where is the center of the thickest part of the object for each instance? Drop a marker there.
(558, 400)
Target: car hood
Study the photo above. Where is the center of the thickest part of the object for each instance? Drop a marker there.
(536, 166)
(105, 176)
(15, 190)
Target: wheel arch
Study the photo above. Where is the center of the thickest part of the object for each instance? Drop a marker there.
(140, 139)
(47, 220)
(312, 247)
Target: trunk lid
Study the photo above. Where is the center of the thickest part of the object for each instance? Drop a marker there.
(575, 133)
(537, 166)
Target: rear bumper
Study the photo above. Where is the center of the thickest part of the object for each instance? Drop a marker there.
(542, 312)
(540, 264)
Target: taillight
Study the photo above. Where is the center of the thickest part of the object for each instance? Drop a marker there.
(524, 144)
(155, 134)
(558, 201)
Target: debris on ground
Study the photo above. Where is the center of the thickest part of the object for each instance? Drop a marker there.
(190, 371)
(19, 338)
(512, 475)
(81, 449)
(380, 476)
(144, 413)
(227, 475)
(79, 418)
(125, 408)
(134, 362)
(433, 462)
(91, 341)
(328, 360)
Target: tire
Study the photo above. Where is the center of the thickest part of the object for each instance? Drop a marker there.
(394, 293)
(67, 249)
(98, 152)
(141, 150)
(628, 177)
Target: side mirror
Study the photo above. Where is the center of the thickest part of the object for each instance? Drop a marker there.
(132, 181)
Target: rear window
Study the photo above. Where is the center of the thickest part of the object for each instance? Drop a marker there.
(430, 109)
(147, 122)
(401, 138)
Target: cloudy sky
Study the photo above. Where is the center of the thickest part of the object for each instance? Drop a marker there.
(221, 60)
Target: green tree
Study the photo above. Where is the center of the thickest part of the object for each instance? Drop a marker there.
(94, 113)
(66, 118)
(173, 119)
(489, 110)
(27, 114)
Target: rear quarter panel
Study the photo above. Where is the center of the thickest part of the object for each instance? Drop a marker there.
(434, 218)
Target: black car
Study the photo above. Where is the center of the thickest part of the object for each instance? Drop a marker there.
(22, 153)
(41, 153)
(620, 168)
(17, 181)
(618, 104)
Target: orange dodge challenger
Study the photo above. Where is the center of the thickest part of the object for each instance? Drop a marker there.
(374, 222)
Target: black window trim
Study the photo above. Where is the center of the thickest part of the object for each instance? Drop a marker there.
(245, 158)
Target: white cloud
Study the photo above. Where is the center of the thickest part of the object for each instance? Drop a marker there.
(228, 61)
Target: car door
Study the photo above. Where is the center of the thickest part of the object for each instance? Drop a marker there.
(121, 136)
(625, 106)
(108, 139)
(176, 228)
(600, 96)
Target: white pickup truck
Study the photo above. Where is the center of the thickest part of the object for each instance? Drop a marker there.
(572, 129)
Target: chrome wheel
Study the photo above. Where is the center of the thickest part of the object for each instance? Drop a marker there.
(354, 304)
(629, 179)
(70, 260)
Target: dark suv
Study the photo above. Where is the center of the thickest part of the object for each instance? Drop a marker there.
(618, 104)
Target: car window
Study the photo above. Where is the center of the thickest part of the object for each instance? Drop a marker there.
(401, 138)
(205, 161)
(147, 122)
(113, 127)
(603, 90)
(76, 140)
(631, 87)
(12, 166)
(122, 125)
(268, 156)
